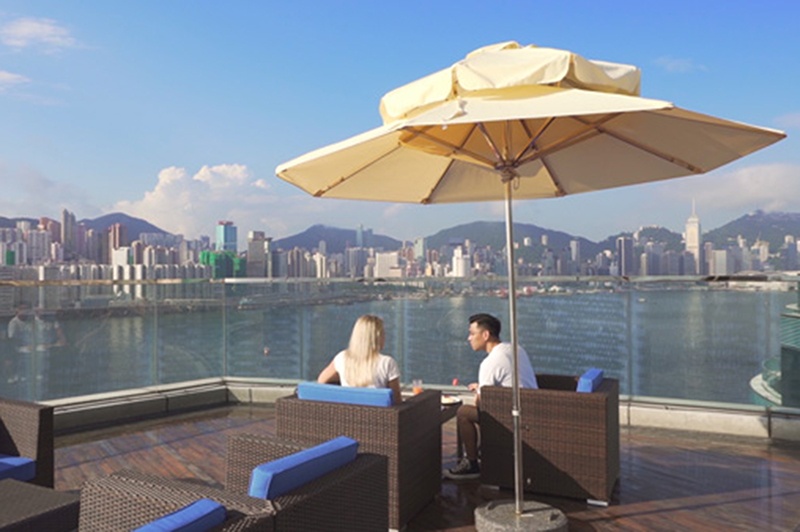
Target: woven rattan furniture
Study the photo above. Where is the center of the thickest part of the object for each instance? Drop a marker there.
(409, 435)
(570, 440)
(25, 506)
(26, 429)
(352, 497)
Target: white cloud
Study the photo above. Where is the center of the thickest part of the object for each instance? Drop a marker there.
(770, 187)
(788, 121)
(677, 65)
(36, 32)
(262, 184)
(191, 204)
(223, 175)
(9, 80)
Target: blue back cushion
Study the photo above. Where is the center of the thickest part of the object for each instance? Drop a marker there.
(590, 380)
(314, 391)
(283, 475)
(199, 516)
(17, 467)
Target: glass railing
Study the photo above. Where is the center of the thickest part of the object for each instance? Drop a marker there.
(688, 339)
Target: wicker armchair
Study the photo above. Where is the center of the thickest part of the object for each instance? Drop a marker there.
(26, 429)
(129, 499)
(570, 440)
(409, 435)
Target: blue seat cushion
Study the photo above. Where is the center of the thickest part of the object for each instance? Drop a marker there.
(314, 391)
(199, 516)
(283, 475)
(590, 380)
(17, 467)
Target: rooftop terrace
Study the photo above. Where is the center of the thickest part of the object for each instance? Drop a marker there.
(670, 480)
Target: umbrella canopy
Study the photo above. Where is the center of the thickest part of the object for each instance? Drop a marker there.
(523, 121)
(562, 124)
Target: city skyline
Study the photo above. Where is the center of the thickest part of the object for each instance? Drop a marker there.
(69, 250)
(213, 234)
(188, 124)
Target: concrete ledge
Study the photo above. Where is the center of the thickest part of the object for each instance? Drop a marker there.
(108, 412)
(736, 422)
(239, 393)
(785, 426)
(77, 413)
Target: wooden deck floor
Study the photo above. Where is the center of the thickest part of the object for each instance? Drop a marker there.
(669, 480)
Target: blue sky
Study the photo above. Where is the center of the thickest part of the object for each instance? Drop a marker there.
(179, 111)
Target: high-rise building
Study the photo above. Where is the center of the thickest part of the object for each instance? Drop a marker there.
(694, 244)
(320, 262)
(387, 264)
(721, 262)
(419, 249)
(363, 237)
(52, 227)
(575, 250)
(68, 233)
(257, 254)
(461, 263)
(625, 262)
(39, 246)
(117, 236)
(226, 236)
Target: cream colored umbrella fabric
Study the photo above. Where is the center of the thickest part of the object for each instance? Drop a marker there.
(563, 124)
(526, 122)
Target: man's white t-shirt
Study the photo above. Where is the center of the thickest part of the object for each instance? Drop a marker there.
(497, 369)
(385, 370)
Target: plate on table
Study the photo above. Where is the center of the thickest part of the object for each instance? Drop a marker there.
(448, 400)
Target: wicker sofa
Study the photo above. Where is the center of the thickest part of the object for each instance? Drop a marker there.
(26, 429)
(129, 499)
(570, 440)
(409, 435)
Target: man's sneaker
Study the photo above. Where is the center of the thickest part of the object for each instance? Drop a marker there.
(464, 470)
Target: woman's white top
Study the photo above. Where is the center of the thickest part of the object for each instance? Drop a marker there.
(385, 370)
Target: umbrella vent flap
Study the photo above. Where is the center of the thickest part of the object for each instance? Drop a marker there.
(507, 66)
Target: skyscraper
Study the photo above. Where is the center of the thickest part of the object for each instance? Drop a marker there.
(117, 236)
(257, 254)
(68, 225)
(694, 243)
(226, 236)
(625, 262)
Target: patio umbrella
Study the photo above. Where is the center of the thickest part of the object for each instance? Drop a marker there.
(520, 122)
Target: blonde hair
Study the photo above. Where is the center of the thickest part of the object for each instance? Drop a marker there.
(361, 356)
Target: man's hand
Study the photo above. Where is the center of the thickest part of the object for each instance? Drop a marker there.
(473, 387)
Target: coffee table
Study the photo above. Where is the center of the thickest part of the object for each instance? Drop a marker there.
(25, 506)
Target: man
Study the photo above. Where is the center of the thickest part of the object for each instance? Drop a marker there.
(497, 369)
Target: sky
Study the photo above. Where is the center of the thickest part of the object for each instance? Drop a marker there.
(179, 112)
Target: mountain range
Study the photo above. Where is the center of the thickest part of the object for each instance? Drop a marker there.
(759, 225)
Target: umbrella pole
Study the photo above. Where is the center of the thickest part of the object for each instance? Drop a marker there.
(512, 315)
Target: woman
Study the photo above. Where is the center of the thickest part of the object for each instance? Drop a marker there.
(362, 364)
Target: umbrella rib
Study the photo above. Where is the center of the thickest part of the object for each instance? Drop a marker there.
(554, 178)
(454, 148)
(321, 192)
(560, 145)
(427, 199)
(592, 129)
(534, 137)
(488, 138)
(645, 148)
